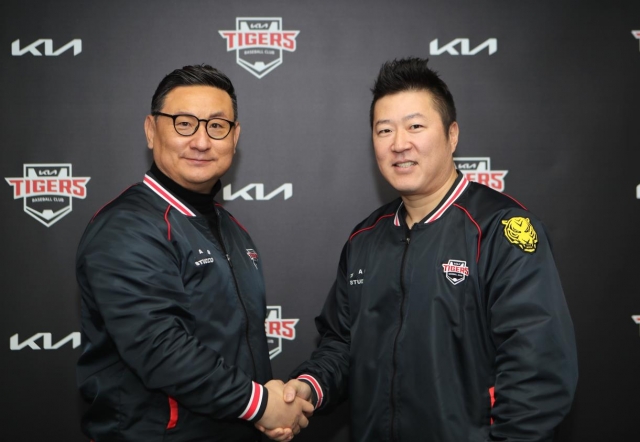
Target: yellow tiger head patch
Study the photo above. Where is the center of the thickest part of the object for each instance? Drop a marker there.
(520, 232)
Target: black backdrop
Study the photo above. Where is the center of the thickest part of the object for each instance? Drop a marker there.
(546, 92)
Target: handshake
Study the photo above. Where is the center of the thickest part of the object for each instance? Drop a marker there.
(288, 409)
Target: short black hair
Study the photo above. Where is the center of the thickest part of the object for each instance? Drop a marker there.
(412, 74)
(195, 75)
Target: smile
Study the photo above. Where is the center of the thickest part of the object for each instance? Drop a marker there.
(405, 164)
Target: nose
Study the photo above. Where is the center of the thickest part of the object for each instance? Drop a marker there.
(200, 140)
(401, 141)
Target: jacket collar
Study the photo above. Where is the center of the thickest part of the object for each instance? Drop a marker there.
(457, 188)
(163, 193)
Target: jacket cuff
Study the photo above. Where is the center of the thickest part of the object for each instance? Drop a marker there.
(257, 403)
(316, 390)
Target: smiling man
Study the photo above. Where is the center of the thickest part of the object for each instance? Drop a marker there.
(173, 302)
(447, 320)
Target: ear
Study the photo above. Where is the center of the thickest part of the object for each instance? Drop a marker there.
(236, 135)
(454, 131)
(150, 130)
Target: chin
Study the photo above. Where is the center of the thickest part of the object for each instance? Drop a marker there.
(407, 192)
(404, 188)
(201, 176)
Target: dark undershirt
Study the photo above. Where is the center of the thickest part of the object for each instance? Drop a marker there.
(202, 202)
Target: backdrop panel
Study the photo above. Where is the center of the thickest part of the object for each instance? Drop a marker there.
(547, 96)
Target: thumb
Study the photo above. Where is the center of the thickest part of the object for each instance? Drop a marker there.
(289, 393)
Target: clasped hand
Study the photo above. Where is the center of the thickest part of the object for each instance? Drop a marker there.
(288, 409)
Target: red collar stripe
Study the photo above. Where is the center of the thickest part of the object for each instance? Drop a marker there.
(452, 198)
(165, 195)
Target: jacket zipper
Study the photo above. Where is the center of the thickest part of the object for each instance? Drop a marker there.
(395, 342)
(235, 282)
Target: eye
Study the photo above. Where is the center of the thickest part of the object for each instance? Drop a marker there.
(185, 122)
(383, 132)
(416, 126)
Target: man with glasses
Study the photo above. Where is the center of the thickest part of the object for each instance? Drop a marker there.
(173, 302)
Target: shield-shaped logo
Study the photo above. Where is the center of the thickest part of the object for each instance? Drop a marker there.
(456, 271)
(253, 256)
(48, 190)
(259, 42)
(278, 329)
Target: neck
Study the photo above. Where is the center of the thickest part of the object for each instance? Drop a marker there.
(202, 202)
(419, 206)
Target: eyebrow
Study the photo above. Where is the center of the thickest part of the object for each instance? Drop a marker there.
(405, 118)
(217, 114)
(212, 115)
(414, 115)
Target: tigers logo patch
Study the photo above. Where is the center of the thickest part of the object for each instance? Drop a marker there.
(254, 256)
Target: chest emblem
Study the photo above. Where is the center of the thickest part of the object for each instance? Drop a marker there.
(456, 271)
(254, 256)
(520, 232)
(357, 278)
(204, 261)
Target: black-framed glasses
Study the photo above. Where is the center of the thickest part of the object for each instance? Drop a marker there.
(187, 125)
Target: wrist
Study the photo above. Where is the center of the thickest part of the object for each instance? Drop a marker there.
(317, 393)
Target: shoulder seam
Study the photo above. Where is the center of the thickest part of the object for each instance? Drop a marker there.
(112, 200)
(371, 227)
(477, 227)
(515, 201)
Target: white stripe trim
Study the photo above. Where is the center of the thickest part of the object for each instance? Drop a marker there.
(316, 387)
(165, 195)
(396, 220)
(452, 198)
(256, 389)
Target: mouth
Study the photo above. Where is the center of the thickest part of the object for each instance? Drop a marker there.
(405, 164)
(198, 160)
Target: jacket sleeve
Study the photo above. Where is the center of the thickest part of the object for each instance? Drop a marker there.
(132, 286)
(327, 371)
(536, 361)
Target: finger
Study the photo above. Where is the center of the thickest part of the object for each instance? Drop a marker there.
(307, 407)
(290, 392)
(278, 434)
(288, 435)
(303, 422)
(284, 438)
(273, 434)
(295, 429)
